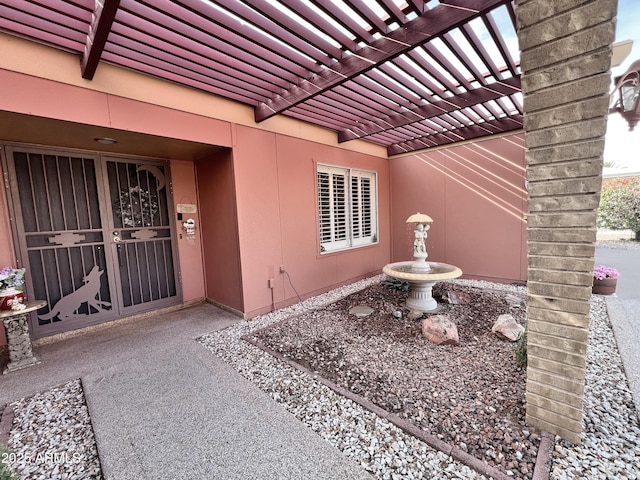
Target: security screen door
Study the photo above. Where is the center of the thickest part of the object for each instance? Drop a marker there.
(94, 233)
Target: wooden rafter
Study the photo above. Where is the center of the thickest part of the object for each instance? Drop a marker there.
(358, 67)
(101, 22)
(432, 23)
(466, 99)
(484, 129)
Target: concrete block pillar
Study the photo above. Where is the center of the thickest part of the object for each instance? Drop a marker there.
(565, 57)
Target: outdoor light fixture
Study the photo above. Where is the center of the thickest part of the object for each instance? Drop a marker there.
(105, 140)
(629, 87)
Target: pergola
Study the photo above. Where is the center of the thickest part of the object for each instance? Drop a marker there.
(407, 75)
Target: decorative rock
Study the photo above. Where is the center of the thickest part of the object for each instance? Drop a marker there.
(513, 300)
(361, 311)
(507, 328)
(414, 315)
(397, 314)
(458, 298)
(440, 330)
(52, 437)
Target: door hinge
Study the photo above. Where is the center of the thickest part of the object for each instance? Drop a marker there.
(6, 180)
(171, 188)
(180, 278)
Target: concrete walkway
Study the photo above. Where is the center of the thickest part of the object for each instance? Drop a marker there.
(624, 310)
(163, 407)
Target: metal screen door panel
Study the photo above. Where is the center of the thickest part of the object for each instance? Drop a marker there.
(141, 234)
(94, 234)
(61, 239)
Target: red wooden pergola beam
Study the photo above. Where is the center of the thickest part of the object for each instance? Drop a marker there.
(466, 99)
(101, 22)
(447, 15)
(484, 129)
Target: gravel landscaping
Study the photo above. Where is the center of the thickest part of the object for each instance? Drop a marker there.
(611, 438)
(478, 406)
(51, 436)
(471, 394)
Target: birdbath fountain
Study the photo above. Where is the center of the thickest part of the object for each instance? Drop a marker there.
(420, 274)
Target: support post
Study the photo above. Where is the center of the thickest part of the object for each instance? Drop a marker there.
(565, 59)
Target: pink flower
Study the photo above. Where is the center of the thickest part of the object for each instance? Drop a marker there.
(602, 271)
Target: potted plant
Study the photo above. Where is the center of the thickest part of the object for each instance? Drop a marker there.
(11, 287)
(605, 280)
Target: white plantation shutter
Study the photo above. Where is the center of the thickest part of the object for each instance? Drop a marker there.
(339, 220)
(324, 207)
(347, 209)
(363, 225)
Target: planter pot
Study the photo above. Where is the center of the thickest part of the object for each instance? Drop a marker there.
(606, 286)
(10, 297)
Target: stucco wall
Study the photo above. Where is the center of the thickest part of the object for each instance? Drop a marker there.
(189, 250)
(476, 195)
(44, 81)
(266, 179)
(50, 99)
(7, 256)
(269, 173)
(219, 229)
(276, 194)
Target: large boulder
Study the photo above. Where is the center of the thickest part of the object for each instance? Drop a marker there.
(507, 328)
(440, 330)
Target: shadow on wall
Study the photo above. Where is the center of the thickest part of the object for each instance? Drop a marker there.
(476, 195)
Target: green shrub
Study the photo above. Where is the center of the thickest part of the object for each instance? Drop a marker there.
(396, 284)
(620, 205)
(521, 350)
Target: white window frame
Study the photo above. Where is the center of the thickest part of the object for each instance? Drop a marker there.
(347, 202)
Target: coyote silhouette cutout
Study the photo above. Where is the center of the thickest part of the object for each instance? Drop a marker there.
(69, 304)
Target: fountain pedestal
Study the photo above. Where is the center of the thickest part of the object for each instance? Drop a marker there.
(422, 282)
(421, 297)
(420, 274)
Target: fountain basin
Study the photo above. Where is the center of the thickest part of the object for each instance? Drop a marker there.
(422, 281)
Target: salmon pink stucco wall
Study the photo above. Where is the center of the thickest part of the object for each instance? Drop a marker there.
(476, 195)
(254, 186)
(7, 257)
(189, 250)
(275, 179)
(49, 99)
(219, 229)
